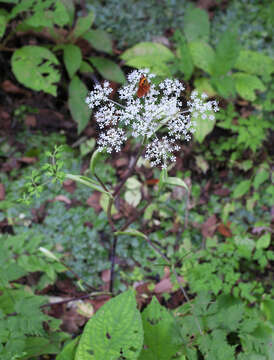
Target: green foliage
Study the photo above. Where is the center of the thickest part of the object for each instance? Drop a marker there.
(149, 55)
(139, 21)
(22, 331)
(248, 133)
(38, 68)
(223, 265)
(115, 331)
(34, 67)
(221, 64)
(229, 330)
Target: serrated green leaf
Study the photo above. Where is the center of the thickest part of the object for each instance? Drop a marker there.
(72, 59)
(241, 189)
(99, 40)
(255, 63)
(108, 69)
(196, 25)
(227, 52)
(3, 21)
(34, 66)
(247, 84)
(77, 104)
(83, 24)
(160, 330)
(203, 55)
(131, 232)
(114, 331)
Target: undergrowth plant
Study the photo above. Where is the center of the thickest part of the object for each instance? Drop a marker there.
(200, 328)
(63, 33)
(26, 332)
(229, 331)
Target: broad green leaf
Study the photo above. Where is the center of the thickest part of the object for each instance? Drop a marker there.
(185, 64)
(158, 51)
(203, 126)
(93, 184)
(99, 40)
(69, 350)
(34, 66)
(254, 62)
(45, 14)
(149, 55)
(70, 7)
(263, 242)
(150, 62)
(247, 84)
(203, 86)
(72, 59)
(241, 189)
(160, 333)
(261, 176)
(267, 306)
(108, 69)
(132, 232)
(77, 105)
(83, 24)
(86, 68)
(175, 181)
(196, 25)
(203, 55)
(227, 52)
(115, 331)
(3, 21)
(225, 85)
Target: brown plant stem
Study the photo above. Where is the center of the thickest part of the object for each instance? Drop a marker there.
(116, 192)
(163, 256)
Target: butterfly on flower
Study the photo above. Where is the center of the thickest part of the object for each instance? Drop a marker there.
(144, 87)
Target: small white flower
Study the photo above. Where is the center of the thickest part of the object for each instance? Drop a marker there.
(160, 108)
(112, 140)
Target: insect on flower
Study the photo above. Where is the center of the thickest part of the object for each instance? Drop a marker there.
(144, 87)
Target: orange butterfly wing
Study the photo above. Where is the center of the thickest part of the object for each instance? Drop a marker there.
(144, 87)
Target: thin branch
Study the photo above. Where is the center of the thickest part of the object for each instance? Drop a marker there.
(177, 279)
(65, 301)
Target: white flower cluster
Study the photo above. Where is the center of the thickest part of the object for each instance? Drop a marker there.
(144, 116)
